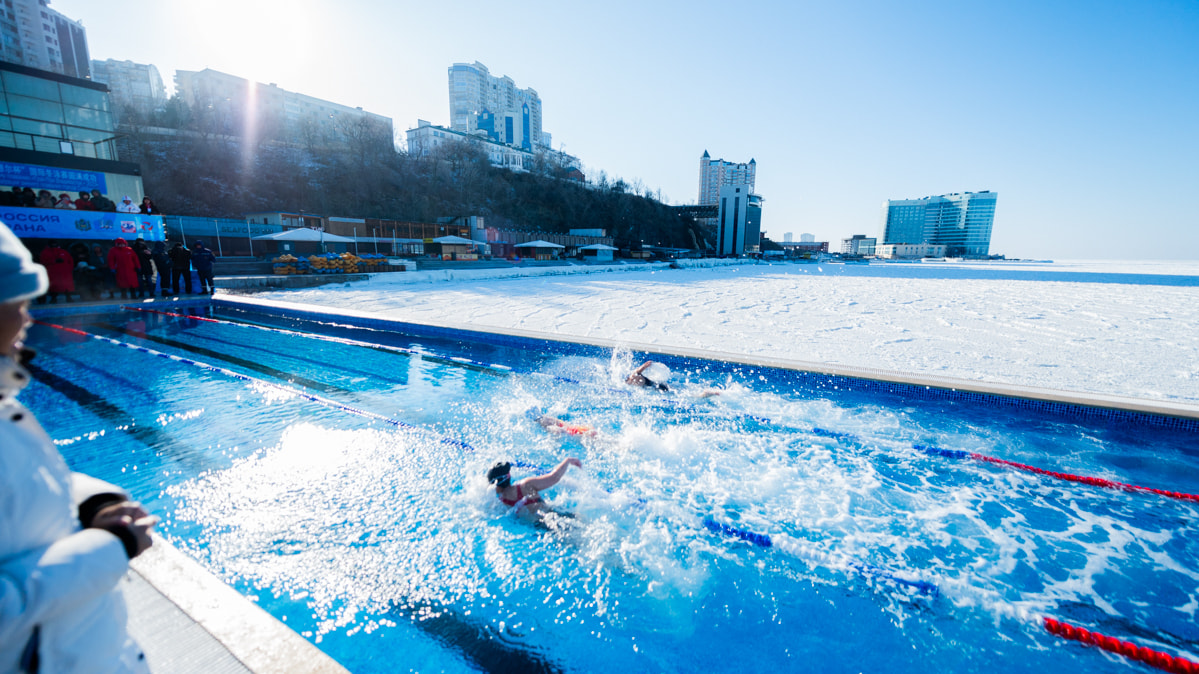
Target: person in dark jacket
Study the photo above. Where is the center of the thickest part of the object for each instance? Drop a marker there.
(203, 260)
(148, 207)
(102, 203)
(145, 273)
(162, 262)
(181, 267)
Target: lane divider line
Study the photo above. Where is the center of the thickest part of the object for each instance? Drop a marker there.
(1149, 656)
(1068, 477)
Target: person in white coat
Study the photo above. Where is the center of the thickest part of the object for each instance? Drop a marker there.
(65, 539)
(127, 206)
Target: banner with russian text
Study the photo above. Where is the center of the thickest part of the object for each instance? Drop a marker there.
(65, 224)
(51, 178)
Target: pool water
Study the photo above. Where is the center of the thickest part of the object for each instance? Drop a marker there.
(338, 482)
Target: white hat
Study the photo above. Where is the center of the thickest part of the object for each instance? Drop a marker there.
(20, 277)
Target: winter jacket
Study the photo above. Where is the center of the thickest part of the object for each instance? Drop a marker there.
(124, 263)
(203, 259)
(60, 266)
(55, 575)
(181, 258)
(162, 260)
(144, 258)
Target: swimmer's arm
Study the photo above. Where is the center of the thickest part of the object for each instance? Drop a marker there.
(543, 482)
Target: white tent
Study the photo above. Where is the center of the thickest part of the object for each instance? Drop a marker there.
(598, 246)
(598, 252)
(538, 244)
(304, 234)
(455, 240)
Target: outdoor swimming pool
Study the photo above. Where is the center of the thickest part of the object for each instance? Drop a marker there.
(334, 474)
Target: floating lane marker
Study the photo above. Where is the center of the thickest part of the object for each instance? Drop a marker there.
(810, 554)
(333, 404)
(327, 338)
(1068, 477)
(1149, 656)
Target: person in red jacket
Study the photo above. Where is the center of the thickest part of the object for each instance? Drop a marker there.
(61, 268)
(124, 264)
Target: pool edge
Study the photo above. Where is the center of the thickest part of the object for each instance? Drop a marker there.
(261, 642)
(931, 383)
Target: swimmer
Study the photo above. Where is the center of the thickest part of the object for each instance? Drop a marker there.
(653, 378)
(555, 425)
(654, 375)
(525, 496)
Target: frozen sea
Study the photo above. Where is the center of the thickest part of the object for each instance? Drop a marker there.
(1107, 327)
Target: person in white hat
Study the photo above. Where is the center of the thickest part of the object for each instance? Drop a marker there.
(65, 538)
(127, 206)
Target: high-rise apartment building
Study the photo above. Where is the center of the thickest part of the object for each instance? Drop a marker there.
(481, 103)
(239, 107)
(960, 221)
(716, 173)
(136, 86)
(33, 35)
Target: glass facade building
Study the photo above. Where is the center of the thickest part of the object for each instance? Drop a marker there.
(47, 112)
(960, 221)
(494, 106)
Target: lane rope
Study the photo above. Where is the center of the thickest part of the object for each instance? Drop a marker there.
(1068, 477)
(1149, 656)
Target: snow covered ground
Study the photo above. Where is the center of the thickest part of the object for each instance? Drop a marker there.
(1123, 328)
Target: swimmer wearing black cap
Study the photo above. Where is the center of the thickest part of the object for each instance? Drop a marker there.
(526, 494)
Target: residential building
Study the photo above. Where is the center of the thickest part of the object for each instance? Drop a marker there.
(33, 35)
(739, 221)
(132, 86)
(494, 107)
(898, 251)
(858, 244)
(961, 221)
(716, 173)
(235, 106)
(428, 139)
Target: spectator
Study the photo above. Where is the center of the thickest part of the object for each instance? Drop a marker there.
(64, 201)
(11, 197)
(148, 207)
(181, 267)
(203, 260)
(127, 206)
(61, 267)
(145, 272)
(28, 198)
(162, 263)
(102, 203)
(124, 265)
(44, 199)
(84, 202)
(68, 538)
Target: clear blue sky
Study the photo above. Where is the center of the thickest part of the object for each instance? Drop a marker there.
(1083, 116)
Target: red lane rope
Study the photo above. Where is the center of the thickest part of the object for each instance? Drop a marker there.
(1163, 661)
(1083, 479)
(167, 313)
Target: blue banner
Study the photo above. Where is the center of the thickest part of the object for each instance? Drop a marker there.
(55, 223)
(50, 178)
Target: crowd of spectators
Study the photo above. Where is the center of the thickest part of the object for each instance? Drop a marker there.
(25, 197)
(136, 271)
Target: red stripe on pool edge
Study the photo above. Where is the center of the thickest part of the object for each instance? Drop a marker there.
(63, 327)
(1164, 661)
(1083, 479)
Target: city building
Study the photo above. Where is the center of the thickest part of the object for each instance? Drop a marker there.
(33, 35)
(858, 244)
(494, 107)
(900, 251)
(235, 106)
(716, 173)
(739, 229)
(787, 237)
(960, 221)
(428, 139)
(132, 86)
(805, 248)
(807, 238)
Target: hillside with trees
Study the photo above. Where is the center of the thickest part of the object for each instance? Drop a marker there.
(189, 168)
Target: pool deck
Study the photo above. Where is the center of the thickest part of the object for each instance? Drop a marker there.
(189, 622)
